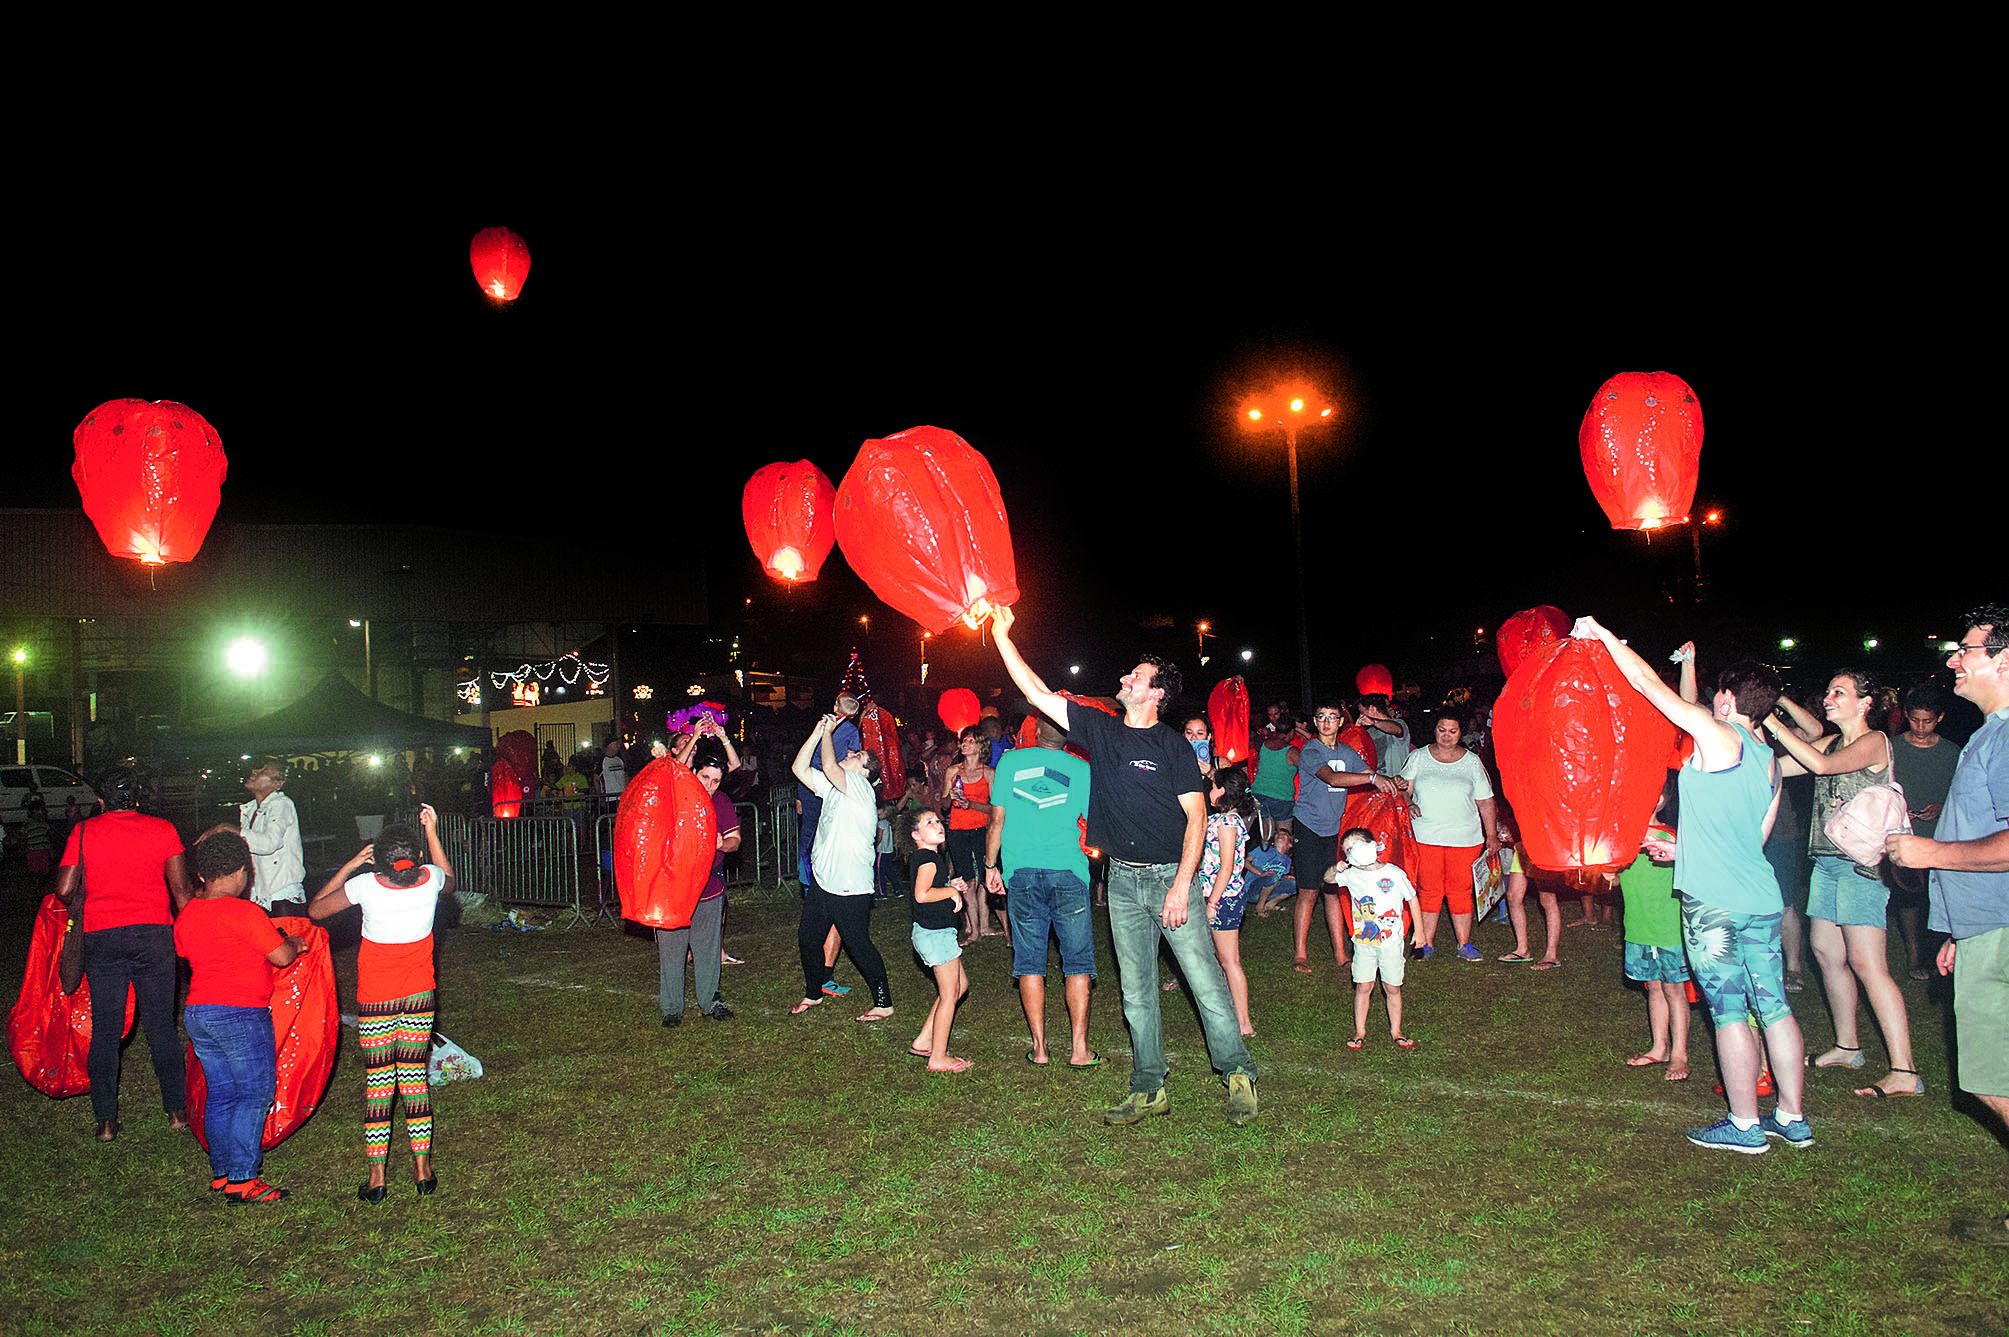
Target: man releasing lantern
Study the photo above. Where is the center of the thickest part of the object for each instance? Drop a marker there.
(922, 522)
(1641, 440)
(150, 476)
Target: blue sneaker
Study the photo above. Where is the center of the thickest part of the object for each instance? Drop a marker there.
(1469, 953)
(1425, 953)
(1726, 1136)
(836, 990)
(1794, 1134)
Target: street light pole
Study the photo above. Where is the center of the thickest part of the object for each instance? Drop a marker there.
(1297, 551)
(20, 705)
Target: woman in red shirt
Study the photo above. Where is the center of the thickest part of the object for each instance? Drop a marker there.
(394, 986)
(232, 948)
(966, 796)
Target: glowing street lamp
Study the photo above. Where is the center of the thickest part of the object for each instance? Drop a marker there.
(20, 658)
(246, 657)
(1292, 407)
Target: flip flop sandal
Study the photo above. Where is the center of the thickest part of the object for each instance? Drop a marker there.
(919, 1053)
(1403, 1042)
(1644, 1061)
(1356, 1042)
(804, 1006)
(875, 1016)
(1095, 1062)
(1037, 1063)
(1515, 958)
(255, 1191)
(1546, 965)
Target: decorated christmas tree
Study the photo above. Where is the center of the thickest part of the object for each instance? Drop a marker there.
(854, 683)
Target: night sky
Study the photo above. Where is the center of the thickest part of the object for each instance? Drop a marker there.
(353, 371)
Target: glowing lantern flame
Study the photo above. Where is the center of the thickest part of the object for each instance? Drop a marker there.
(786, 563)
(501, 262)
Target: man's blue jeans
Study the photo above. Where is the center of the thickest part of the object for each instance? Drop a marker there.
(1136, 901)
(240, 1063)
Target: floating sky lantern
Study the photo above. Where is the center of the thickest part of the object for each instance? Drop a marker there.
(958, 709)
(1582, 757)
(665, 834)
(1228, 714)
(307, 1029)
(1374, 680)
(1527, 631)
(151, 477)
(922, 522)
(1641, 440)
(501, 262)
(790, 514)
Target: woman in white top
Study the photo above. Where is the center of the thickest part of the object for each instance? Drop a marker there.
(1451, 802)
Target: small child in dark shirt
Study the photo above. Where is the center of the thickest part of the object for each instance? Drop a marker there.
(938, 896)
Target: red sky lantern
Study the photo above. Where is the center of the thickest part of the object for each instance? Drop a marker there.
(922, 522)
(306, 1023)
(513, 777)
(790, 519)
(1582, 757)
(1641, 440)
(1527, 631)
(1388, 819)
(501, 262)
(48, 1033)
(958, 709)
(151, 477)
(1228, 713)
(665, 835)
(1360, 737)
(1374, 680)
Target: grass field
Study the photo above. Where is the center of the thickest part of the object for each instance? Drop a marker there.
(802, 1175)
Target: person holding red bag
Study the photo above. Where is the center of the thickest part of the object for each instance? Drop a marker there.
(232, 948)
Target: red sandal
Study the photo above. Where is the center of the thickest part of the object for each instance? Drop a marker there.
(254, 1190)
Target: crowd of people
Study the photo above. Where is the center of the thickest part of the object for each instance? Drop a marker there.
(1111, 803)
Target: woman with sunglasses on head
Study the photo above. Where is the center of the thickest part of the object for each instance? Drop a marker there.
(1847, 903)
(966, 798)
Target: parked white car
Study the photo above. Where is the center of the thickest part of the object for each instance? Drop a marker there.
(56, 786)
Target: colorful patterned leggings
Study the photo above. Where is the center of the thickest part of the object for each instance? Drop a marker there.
(397, 1042)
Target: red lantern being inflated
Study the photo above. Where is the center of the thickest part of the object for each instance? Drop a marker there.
(1228, 713)
(1528, 631)
(790, 519)
(1374, 680)
(306, 1024)
(501, 262)
(922, 522)
(1582, 757)
(514, 775)
(49, 1033)
(151, 477)
(1641, 440)
(665, 837)
(958, 709)
(1388, 818)
(1360, 738)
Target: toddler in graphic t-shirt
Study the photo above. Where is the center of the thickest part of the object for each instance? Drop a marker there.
(1376, 894)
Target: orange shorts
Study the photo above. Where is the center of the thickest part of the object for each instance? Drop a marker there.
(1444, 873)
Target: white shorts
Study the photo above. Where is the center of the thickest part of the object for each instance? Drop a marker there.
(1388, 959)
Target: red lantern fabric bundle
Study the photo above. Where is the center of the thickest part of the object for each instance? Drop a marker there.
(501, 262)
(151, 478)
(307, 1025)
(879, 733)
(1641, 441)
(665, 837)
(49, 1034)
(1388, 817)
(1228, 713)
(922, 522)
(1582, 758)
(1374, 680)
(513, 777)
(1527, 631)
(790, 514)
(1360, 738)
(959, 709)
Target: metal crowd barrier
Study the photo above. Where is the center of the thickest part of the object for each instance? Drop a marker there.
(522, 861)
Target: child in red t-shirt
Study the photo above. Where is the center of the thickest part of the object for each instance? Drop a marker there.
(232, 947)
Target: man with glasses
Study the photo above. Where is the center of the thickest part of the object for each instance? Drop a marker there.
(1328, 771)
(1147, 811)
(1969, 887)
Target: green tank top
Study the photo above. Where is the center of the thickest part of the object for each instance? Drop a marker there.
(1831, 794)
(1720, 857)
(1275, 776)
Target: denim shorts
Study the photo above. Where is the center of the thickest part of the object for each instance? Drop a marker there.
(1274, 809)
(1738, 962)
(1043, 901)
(936, 946)
(1666, 965)
(1840, 895)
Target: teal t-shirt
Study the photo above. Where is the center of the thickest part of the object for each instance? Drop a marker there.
(1044, 793)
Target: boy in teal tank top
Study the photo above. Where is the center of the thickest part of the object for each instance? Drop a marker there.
(1730, 902)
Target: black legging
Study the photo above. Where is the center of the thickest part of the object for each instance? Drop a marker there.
(966, 853)
(853, 917)
(141, 955)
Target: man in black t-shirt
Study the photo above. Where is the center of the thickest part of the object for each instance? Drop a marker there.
(1147, 811)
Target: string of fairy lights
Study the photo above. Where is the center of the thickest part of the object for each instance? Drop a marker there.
(568, 668)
